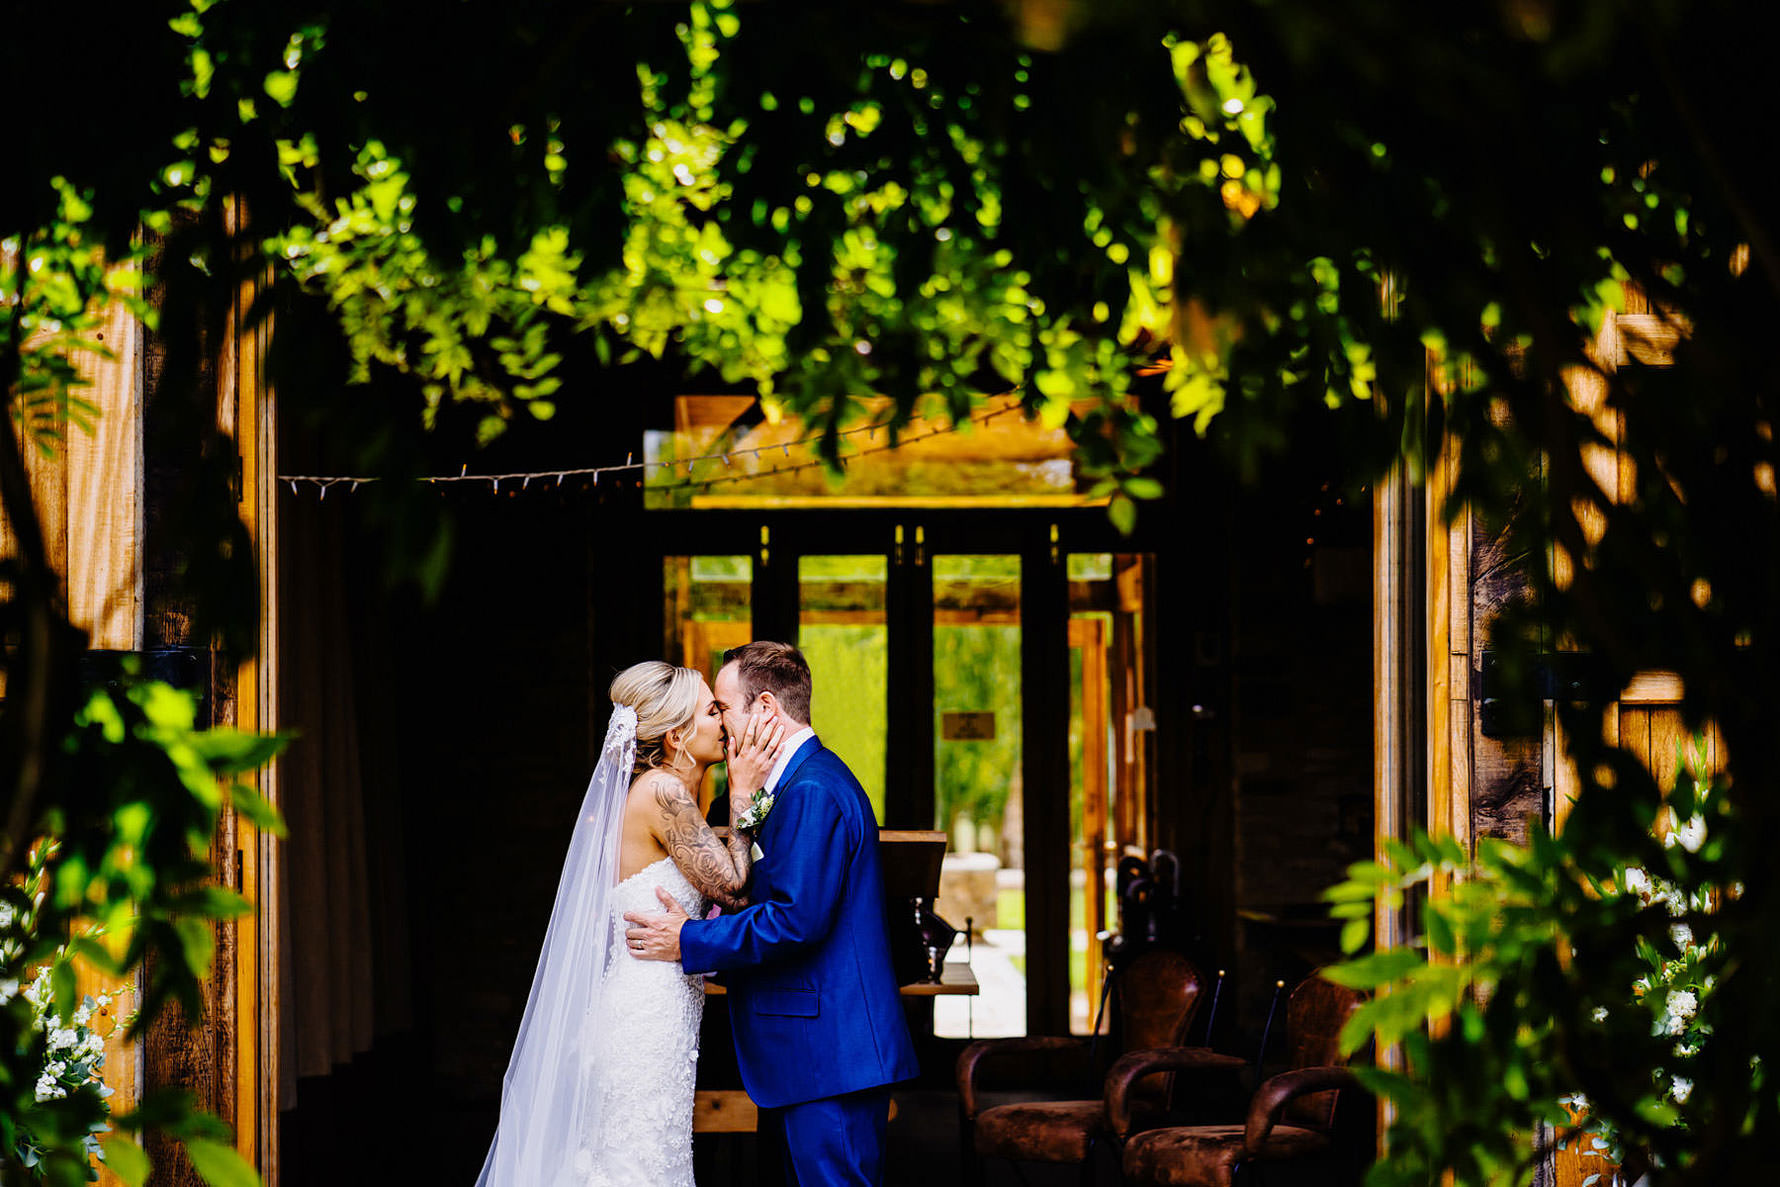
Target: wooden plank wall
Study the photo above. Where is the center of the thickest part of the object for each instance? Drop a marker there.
(88, 496)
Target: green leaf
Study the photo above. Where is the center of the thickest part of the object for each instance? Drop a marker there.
(1351, 891)
(221, 1165)
(281, 85)
(1354, 933)
(96, 955)
(1378, 968)
(213, 902)
(253, 807)
(127, 1160)
(197, 942)
(1123, 513)
(232, 750)
(1439, 929)
(66, 994)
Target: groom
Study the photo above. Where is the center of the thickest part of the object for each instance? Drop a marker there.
(819, 1030)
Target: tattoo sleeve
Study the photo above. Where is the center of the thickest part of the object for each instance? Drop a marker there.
(718, 869)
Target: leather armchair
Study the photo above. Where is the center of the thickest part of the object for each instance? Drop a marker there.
(1132, 1079)
(1291, 1116)
(1155, 999)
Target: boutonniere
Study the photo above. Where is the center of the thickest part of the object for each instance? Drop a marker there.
(753, 816)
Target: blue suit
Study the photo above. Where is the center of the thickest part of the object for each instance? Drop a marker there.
(812, 998)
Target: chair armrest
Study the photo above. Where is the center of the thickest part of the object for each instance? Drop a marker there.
(973, 1056)
(1272, 1096)
(1132, 1067)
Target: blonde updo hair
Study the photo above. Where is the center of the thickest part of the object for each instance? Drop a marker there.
(665, 699)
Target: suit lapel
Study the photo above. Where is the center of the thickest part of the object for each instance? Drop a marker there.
(802, 755)
(810, 746)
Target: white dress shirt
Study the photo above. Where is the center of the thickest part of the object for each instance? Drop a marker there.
(791, 744)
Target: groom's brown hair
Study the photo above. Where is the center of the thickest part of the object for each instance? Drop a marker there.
(778, 668)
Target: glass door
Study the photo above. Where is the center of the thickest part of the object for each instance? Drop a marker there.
(995, 689)
(1109, 729)
(843, 632)
(978, 792)
(707, 608)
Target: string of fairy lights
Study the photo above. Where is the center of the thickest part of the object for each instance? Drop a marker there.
(731, 472)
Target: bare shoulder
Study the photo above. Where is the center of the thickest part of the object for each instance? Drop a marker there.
(664, 791)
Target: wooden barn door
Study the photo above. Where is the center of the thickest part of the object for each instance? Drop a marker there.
(1484, 780)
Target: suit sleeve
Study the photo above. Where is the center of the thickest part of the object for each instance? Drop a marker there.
(809, 831)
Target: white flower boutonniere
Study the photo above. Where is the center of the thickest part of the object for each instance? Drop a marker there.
(753, 816)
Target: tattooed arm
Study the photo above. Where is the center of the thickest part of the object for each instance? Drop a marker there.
(718, 869)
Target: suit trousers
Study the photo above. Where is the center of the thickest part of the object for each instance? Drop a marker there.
(837, 1141)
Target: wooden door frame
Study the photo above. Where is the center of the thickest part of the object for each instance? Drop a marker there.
(257, 1003)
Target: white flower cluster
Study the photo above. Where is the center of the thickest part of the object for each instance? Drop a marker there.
(1689, 834)
(754, 815)
(1676, 978)
(10, 945)
(1678, 1011)
(75, 1053)
(1658, 891)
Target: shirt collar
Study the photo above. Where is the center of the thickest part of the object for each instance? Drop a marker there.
(791, 747)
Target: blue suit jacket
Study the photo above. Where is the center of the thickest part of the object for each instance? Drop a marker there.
(812, 999)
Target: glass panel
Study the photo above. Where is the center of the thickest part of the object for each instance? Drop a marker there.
(707, 609)
(977, 782)
(1109, 725)
(722, 453)
(842, 633)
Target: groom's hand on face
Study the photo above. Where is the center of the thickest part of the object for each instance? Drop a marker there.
(656, 937)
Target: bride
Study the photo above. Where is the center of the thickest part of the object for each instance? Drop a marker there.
(600, 1086)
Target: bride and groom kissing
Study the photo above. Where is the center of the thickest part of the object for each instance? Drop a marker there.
(788, 909)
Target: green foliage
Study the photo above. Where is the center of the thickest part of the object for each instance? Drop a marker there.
(55, 285)
(977, 669)
(848, 663)
(121, 882)
(1545, 981)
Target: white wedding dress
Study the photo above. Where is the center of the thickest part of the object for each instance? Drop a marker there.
(642, 1050)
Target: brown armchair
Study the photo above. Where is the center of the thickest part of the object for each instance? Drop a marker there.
(1291, 1116)
(1155, 998)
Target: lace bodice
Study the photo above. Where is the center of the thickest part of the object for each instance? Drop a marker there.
(644, 1050)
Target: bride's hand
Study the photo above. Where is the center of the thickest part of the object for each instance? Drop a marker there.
(751, 759)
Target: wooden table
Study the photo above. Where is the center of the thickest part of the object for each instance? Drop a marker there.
(955, 979)
(729, 1110)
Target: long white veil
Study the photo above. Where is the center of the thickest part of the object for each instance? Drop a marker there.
(548, 1096)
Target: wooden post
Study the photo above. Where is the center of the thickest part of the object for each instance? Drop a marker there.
(257, 982)
(1448, 654)
(1399, 734)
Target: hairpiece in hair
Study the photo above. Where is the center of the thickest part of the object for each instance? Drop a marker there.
(623, 724)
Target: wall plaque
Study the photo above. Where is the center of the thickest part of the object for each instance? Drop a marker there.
(967, 727)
